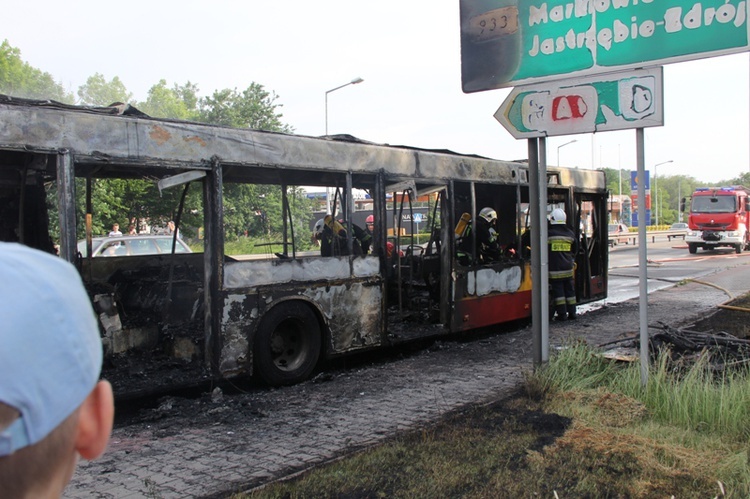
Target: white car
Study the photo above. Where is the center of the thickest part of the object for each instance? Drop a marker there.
(618, 234)
(132, 246)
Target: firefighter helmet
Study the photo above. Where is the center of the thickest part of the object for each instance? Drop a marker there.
(558, 216)
(488, 214)
(318, 229)
(370, 219)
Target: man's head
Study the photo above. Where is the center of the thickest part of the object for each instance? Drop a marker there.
(53, 407)
(115, 226)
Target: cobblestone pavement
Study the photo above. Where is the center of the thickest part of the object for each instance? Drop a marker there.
(228, 443)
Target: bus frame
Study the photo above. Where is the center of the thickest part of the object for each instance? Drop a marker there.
(215, 316)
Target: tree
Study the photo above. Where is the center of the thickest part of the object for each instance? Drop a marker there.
(250, 209)
(179, 102)
(741, 179)
(98, 92)
(254, 108)
(20, 79)
(617, 178)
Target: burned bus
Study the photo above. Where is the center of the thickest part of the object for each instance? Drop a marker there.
(173, 318)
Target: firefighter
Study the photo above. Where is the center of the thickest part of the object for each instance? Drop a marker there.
(489, 247)
(361, 236)
(332, 237)
(562, 251)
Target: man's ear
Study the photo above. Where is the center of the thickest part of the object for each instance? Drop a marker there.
(95, 419)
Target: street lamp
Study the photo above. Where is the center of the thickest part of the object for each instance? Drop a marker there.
(353, 82)
(559, 147)
(656, 191)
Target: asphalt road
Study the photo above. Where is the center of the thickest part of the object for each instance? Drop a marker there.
(668, 263)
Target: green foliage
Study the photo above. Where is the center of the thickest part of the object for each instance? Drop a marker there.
(256, 211)
(178, 102)
(613, 180)
(19, 79)
(692, 398)
(122, 201)
(97, 91)
(268, 244)
(254, 108)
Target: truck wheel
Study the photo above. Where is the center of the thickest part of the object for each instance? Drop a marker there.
(738, 248)
(692, 248)
(287, 345)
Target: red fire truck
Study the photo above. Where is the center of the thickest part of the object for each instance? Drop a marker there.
(719, 217)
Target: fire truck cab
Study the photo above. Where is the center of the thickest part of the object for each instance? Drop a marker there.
(719, 217)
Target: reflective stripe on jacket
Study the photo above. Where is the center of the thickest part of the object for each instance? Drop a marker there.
(562, 250)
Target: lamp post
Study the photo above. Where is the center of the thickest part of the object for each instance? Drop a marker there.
(353, 82)
(559, 147)
(656, 191)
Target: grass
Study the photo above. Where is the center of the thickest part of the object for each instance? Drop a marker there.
(260, 246)
(584, 427)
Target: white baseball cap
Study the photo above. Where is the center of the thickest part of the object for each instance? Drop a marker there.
(50, 347)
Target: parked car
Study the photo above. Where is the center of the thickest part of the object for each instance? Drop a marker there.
(140, 244)
(679, 226)
(618, 234)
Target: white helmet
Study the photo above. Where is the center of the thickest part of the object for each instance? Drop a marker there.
(558, 216)
(488, 214)
(318, 229)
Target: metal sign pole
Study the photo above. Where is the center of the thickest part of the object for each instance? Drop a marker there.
(536, 265)
(539, 277)
(543, 254)
(642, 254)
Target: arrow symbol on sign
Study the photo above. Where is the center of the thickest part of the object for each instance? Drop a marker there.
(560, 111)
(616, 101)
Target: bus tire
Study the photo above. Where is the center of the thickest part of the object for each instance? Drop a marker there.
(287, 344)
(693, 248)
(738, 248)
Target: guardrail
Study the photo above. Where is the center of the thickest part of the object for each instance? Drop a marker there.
(632, 237)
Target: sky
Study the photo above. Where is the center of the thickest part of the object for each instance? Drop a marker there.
(406, 51)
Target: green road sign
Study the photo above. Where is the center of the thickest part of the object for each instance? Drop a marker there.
(513, 42)
(614, 101)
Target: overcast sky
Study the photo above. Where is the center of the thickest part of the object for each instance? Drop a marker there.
(407, 52)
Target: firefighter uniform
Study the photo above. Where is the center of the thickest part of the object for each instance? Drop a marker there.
(562, 251)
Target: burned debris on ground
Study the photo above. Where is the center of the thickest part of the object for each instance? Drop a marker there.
(722, 336)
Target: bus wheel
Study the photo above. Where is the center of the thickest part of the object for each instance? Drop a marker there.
(287, 345)
(738, 248)
(692, 248)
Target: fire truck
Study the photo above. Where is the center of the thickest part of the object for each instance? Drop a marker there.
(719, 217)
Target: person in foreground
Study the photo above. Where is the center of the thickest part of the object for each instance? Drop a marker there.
(53, 407)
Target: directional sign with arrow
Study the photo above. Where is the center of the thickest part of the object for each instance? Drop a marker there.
(615, 101)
